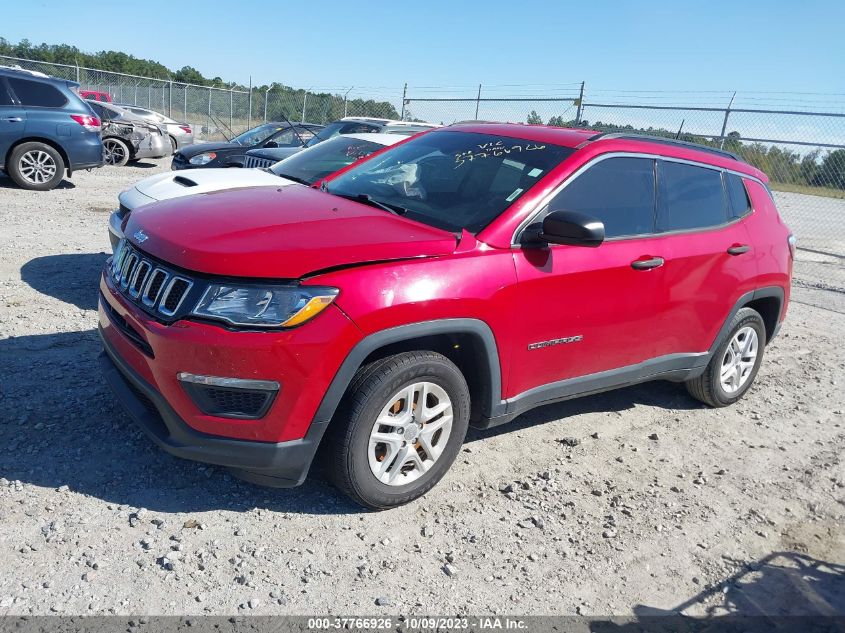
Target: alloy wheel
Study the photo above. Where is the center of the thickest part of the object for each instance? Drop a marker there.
(738, 361)
(37, 167)
(410, 434)
(113, 152)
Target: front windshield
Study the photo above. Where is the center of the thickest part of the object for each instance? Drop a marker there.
(452, 180)
(257, 135)
(316, 163)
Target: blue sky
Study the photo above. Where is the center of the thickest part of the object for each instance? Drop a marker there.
(748, 46)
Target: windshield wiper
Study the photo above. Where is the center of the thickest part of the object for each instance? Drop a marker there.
(301, 181)
(368, 199)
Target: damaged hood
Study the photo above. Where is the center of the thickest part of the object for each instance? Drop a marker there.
(278, 233)
(186, 183)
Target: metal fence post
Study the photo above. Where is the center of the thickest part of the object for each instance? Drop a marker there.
(249, 114)
(304, 101)
(404, 99)
(135, 98)
(266, 99)
(346, 102)
(477, 102)
(231, 107)
(170, 99)
(725, 122)
(208, 120)
(77, 74)
(185, 113)
(580, 109)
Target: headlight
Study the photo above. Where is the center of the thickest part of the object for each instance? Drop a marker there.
(203, 159)
(264, 306)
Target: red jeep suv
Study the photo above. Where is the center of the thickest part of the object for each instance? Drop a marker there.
(462, 276)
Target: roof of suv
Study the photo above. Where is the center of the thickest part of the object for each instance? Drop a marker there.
(11, 71)
(578, 138)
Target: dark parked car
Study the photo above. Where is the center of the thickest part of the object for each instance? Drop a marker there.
(232, 153)
(45, 129)
(266, 156)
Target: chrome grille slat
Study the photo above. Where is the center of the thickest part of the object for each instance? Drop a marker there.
(143, 281)
(142, 270)
(148, 299)
(128, 269)
(166, 295)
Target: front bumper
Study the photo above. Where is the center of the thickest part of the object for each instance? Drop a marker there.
(150, 355)
(281, 464)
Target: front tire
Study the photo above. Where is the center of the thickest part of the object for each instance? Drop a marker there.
(735, 364)
(36, 166)
(398, 429)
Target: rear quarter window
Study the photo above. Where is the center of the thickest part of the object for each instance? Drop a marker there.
(37, 93)
(737, 195)
(5, 97)
(691, 197)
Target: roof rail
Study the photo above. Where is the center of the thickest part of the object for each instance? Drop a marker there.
(667, 141)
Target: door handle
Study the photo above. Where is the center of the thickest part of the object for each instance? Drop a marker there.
(738, 249)
(647, 263)
(14, 119)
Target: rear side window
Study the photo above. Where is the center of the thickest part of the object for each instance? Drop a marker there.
(618, 191)
(5, 97)
(737, 195)
(36, 93)
(693, 197)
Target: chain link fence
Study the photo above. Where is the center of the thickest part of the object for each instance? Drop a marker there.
(217, 113)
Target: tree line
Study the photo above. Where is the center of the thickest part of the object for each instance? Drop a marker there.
(813, 169)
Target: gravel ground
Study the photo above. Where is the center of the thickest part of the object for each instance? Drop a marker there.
(636, 501)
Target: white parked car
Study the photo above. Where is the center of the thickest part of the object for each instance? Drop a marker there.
(304, 168)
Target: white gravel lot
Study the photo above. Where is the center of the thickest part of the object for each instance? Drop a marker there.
(734, 510)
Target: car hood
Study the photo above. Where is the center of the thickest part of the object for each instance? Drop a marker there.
(274, 153)
(278, 233)
(178, 184)
(198, 148)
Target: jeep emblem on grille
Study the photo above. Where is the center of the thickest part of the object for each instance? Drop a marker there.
(141, 236)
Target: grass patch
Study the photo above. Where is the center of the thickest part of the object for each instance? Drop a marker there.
(826, 192)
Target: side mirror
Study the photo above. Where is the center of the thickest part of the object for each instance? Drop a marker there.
(573, 228)
(271, 144)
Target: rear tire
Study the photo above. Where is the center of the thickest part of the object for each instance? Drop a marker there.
(115, 152)
(734, 366)
(36, 166)
(398, 429)
(173, 145)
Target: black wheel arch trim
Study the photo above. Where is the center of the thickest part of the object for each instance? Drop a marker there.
(373, 342)
(760, 293)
